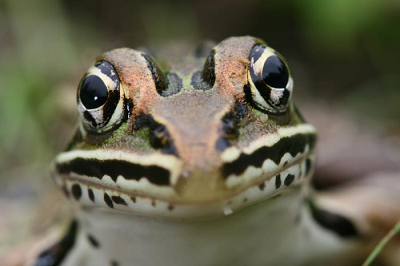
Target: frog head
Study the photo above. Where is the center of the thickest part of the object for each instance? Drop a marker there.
(171, 137)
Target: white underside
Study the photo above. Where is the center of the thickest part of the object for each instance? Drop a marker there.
(274, 232)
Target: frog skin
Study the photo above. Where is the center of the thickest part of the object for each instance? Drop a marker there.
(199, 161)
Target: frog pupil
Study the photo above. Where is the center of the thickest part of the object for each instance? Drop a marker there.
(93, 92)
(275, 74)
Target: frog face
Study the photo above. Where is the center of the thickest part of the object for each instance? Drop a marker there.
(189, 138)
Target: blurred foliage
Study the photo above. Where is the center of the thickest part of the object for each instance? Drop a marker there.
(344, 51)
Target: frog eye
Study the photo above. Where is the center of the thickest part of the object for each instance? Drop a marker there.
(100, 98)
(270, 81)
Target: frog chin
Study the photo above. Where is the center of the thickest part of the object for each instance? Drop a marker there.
(91, 196)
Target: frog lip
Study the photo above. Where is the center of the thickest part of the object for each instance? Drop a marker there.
(157, 169)
(115, 168)
(95, 195)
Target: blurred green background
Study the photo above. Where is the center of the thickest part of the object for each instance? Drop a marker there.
(345, 53)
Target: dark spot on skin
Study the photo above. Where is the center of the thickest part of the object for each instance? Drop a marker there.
(160, 139)
(158, 134)
(245, 200)
(90, 194)
(337, 223)
(90, 118)
(285, 163)
(119, 200)
(308, 166)
(171, 207)
(230, 121)
(247, 95)
(55, 255)
(108, 201)
(93, 241)
(261, 186)
(289, 179)
(221, 144)
(76, 191)
(241, 110)
(153, 203)
(229, 126)
(278, 181)
(133, 199)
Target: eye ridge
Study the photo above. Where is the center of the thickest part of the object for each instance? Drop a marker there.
(208, 73)
(158, 78)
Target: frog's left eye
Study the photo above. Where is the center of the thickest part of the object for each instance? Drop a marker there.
(100, 98)
(270, 81)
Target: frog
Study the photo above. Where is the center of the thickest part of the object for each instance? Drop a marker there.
(202, 160)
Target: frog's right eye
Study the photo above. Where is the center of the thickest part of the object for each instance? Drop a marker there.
(100, 98)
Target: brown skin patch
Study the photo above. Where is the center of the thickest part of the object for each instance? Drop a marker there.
(231, 63)
(193, 119)
(135, 76)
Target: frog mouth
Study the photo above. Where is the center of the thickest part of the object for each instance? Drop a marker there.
(88, 180)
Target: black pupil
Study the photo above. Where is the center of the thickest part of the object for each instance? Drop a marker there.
(275, 73)
(93, 92)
